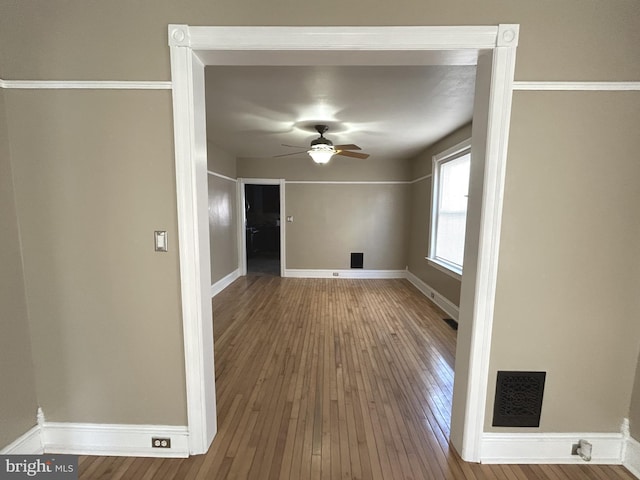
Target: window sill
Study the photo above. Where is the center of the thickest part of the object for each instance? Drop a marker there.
(444, 268)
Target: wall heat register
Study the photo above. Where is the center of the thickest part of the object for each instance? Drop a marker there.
(518, 400)
(357, 260)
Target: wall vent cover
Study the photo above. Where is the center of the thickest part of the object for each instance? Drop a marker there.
(518, 400)
(357, 260)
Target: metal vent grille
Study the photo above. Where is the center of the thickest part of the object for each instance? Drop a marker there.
(357, 260)
(518, 400)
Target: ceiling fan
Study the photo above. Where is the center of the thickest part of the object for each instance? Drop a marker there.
(322, 149)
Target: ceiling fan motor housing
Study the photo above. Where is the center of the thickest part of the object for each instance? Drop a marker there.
(321, 129)
(322, 141)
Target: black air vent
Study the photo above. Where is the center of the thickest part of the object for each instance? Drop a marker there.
(357, 260)
(518, 400)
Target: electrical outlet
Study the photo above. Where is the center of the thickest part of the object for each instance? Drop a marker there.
(574, 449)
(432, 295)
(160, 442)
(335, 274)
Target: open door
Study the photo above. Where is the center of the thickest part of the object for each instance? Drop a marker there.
(262, 229)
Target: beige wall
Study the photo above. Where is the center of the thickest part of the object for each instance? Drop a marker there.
(223, 214)
(421, 219)
(331, 221)
(339, 169)
(634, 411)
(127, 40)
(568, 277)
(18, 403)
(219, 161)
(94, 178)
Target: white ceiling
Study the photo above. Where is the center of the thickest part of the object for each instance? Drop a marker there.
(391, 112)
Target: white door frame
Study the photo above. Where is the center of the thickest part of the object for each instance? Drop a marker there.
(194, 47)
(242, 221)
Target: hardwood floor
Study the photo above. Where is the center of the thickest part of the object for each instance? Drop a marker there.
(331, 379)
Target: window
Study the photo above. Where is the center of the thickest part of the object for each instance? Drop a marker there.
(449, 208)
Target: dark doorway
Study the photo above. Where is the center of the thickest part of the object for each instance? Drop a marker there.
(262, 210)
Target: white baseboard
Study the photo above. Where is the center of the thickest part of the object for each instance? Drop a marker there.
(631, 458)
(224, 282)
(444, 303)
(29, 443)
(113, 440)
(550, 448)
(350, 273)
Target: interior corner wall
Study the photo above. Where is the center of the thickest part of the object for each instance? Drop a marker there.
(94, 177)
(18, 401)
(223, 214)
(420, 222)
(221, 162)
(568, 279)
(331, 220)
(634, 410)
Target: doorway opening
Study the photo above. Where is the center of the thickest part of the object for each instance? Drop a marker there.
(193, 48)
(262, 229)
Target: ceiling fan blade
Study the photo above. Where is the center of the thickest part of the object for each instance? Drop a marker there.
(288, 154)
(350, 146)
(346, 153)
(293, 146)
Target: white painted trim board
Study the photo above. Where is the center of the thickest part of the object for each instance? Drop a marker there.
(167, 85)
(343, 273)
(432, 294)
(348, 182)
(219, 175)
(224, 282)
(549, 448)
(577, 86)
(29, 443)
(631, 456)
(192, 198)
(419, 179)
(85, 85)
(113, 440)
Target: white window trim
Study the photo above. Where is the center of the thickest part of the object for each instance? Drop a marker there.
(448, 155)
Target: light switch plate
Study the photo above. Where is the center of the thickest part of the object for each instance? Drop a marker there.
(161, 240)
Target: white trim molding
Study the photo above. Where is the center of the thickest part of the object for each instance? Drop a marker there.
(29, 443)
(85, 85)
(577, 86)
(224, 177)
(432, 294)
(224, 282)
(192, 197)
(631, 456)
(339, 39)
(192, 48)
(348, 182)
(343, 273)
(113, 440)
(550, 448)
(419, 179)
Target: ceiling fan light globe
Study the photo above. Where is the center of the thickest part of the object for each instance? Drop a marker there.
(321, 155)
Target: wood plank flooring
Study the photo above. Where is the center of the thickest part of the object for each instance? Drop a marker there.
(331, 379)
